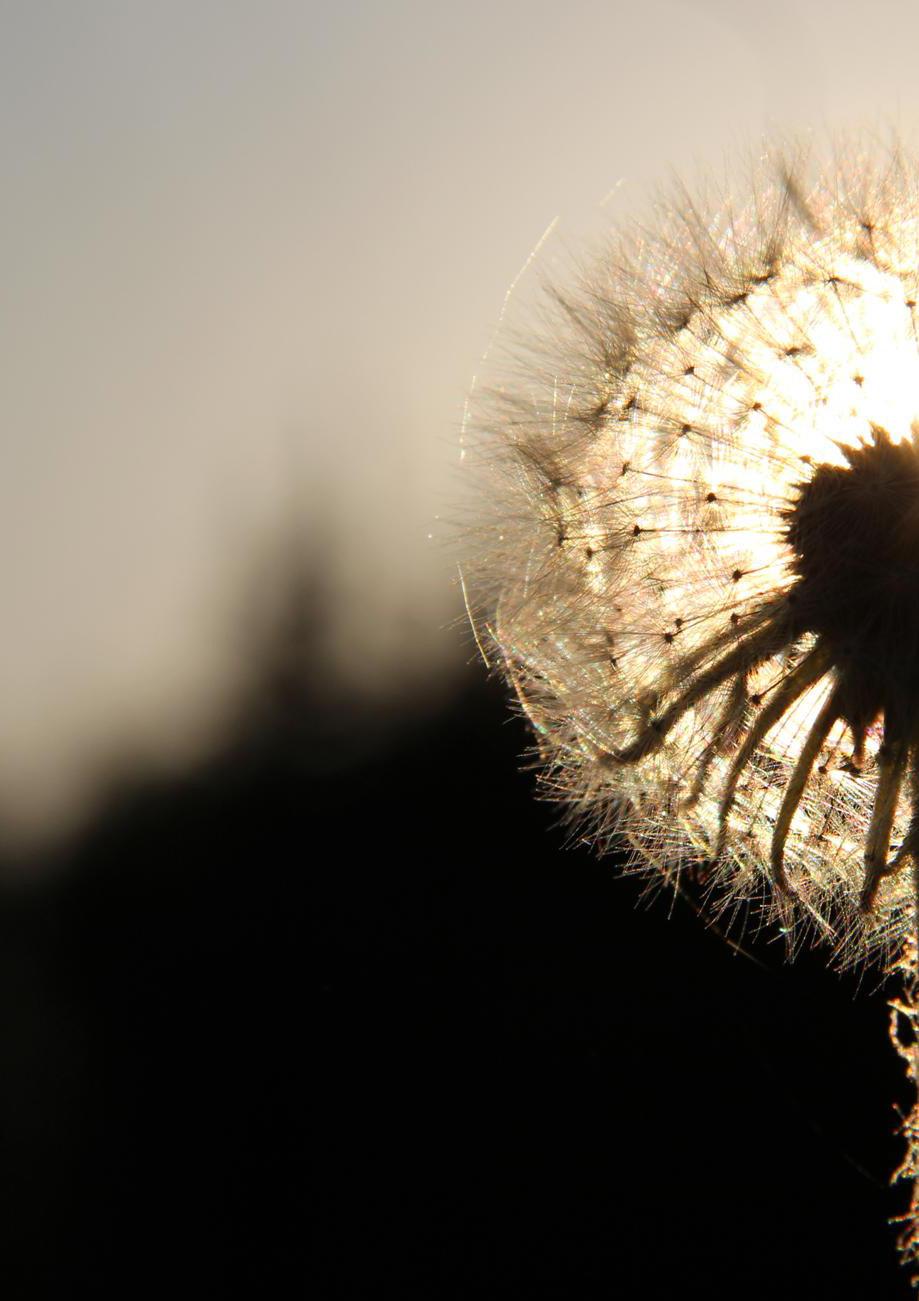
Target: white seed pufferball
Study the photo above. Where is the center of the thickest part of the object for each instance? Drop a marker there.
(636, 581)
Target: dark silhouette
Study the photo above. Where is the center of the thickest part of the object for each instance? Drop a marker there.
(518, 1083)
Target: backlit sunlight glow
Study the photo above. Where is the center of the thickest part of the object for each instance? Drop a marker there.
(701, 574)
(644, 505)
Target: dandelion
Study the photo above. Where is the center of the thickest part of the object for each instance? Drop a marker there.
(702, 574)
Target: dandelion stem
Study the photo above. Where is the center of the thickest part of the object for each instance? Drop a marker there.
(904, 1014)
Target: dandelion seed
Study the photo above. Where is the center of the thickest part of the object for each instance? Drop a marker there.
(702, 581)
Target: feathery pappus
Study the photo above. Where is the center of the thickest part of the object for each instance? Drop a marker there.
(697, 556)
(701, 570)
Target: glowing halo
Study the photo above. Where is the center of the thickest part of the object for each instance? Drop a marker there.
(687, 391)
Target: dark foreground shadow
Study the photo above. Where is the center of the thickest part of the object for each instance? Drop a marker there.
(338, 1015)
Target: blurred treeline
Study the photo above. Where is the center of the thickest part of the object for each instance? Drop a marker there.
(339, 1014)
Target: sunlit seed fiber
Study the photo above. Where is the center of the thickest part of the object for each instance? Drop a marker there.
(698, 566)
(701, 574)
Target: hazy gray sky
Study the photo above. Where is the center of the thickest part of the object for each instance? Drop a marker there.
(249, 241)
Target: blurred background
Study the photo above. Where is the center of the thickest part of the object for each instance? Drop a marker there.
(254, 256)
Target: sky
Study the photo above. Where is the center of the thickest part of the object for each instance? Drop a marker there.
(253, 256)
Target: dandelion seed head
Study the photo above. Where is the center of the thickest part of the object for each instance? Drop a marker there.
(701, 575)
